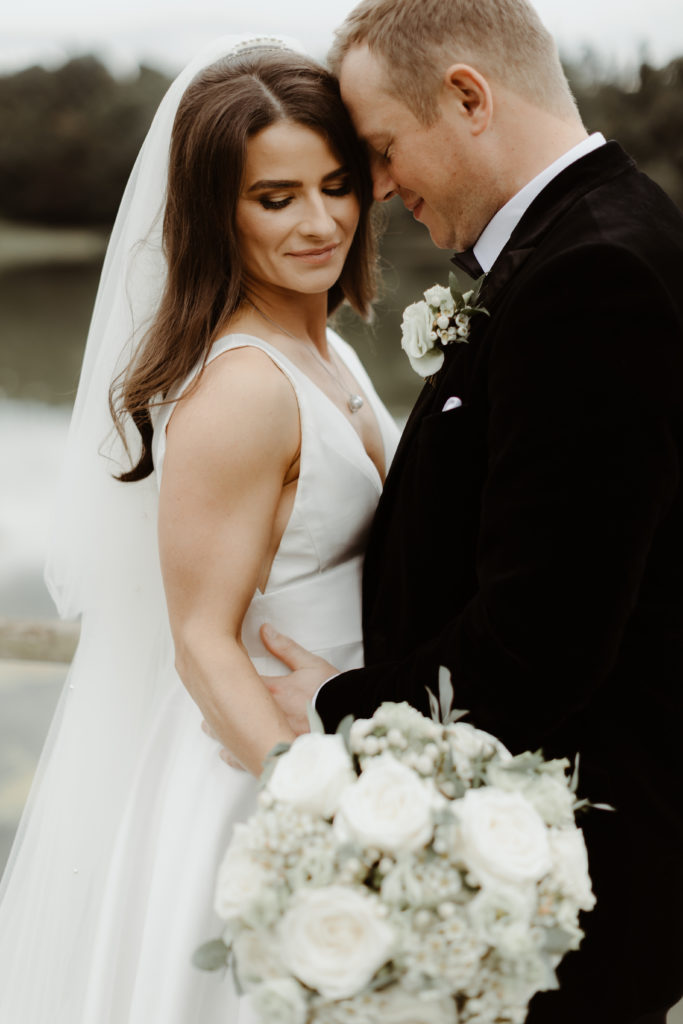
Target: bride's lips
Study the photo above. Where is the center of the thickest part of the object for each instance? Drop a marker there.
(417, 209)
(315, 256)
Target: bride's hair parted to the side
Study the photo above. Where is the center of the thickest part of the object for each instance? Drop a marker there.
(227, 104)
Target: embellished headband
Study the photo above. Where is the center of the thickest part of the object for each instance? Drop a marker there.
(259, 43)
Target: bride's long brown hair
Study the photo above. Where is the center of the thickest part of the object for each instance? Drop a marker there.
(225, 105)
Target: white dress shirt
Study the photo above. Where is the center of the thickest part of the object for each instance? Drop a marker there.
(495, 235)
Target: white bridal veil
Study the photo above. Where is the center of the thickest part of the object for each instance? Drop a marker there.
(103, 564)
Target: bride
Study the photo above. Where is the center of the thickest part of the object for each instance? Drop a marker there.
(237, 489)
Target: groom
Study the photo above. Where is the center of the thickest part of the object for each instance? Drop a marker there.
(530, 534)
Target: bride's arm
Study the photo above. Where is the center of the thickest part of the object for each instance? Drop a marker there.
(230, 449)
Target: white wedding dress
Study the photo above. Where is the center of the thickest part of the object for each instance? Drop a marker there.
(156, 904)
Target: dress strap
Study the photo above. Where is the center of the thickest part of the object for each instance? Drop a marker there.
(227, 343)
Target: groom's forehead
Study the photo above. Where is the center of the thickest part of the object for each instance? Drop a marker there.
(365, 91)
(362, 70)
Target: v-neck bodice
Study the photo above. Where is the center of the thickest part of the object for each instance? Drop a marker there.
(313, 590)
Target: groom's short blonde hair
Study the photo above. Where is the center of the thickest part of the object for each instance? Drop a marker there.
(418, 39)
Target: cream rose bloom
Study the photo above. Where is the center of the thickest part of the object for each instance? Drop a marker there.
(503, 839)
(334, 940)
(388, 807)
(417, 341)
(312, 774)
(240, 880)
(570, 866)
(440, 298)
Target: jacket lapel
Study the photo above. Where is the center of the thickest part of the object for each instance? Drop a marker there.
(553, 202)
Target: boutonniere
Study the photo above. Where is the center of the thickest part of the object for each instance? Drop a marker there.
(441, 319)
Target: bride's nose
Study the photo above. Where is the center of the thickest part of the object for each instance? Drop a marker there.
(317, 220)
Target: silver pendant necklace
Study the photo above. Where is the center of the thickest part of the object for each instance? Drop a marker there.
(354, 401)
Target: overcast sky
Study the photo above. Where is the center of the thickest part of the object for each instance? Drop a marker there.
(166, 33)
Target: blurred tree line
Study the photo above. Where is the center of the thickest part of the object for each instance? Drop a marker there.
(71, 135)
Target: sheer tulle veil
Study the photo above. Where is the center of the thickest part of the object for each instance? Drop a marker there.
(103, 565)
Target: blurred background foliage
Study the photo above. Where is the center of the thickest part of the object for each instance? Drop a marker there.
(70, 135)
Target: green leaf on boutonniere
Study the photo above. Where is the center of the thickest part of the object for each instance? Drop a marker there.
(455, 288)
(476, 290)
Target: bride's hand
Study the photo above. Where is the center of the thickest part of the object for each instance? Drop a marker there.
(295, 691)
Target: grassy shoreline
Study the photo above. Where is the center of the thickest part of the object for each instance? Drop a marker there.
(26, 244)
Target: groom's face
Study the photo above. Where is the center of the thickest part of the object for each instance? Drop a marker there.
(433, 168)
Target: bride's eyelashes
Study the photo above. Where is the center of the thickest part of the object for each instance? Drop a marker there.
(337, 190)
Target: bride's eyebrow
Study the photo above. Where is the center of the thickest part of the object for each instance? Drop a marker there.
(265, 184)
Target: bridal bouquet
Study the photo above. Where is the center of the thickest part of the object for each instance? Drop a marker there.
(441, 319)
(406, 870)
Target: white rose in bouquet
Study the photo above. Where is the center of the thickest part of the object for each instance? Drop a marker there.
(335, 940)
(418, 339)
(570, 866)
(503, 838)
(280, 1001)
(241, 881)
(388, 807)
(312, 774)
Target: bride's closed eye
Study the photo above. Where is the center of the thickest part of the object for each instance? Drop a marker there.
(338, 189)
(274, 204)
(342, 189)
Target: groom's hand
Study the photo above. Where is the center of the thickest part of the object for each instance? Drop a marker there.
(295, 691)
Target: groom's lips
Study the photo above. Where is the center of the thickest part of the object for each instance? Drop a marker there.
(417, 209)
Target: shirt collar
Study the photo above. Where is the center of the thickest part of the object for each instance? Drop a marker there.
(495, 235)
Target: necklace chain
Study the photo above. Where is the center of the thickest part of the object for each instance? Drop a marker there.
(354, 401)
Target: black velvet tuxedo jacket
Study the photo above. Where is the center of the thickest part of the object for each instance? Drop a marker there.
(531, 540)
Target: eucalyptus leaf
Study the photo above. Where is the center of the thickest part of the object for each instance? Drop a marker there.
(454, 715)
(446, 693)
(477, 289)
(344, 730)
(315, 722)
(271, 760)
(433, 705)
(211, 956)
(557, 941)
(574, 783)
(455, 288)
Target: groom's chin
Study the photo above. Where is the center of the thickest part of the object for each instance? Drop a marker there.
(441, 238)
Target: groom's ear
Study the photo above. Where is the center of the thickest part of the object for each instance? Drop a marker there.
(468, 94)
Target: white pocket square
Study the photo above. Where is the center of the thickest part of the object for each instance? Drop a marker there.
(452, 403)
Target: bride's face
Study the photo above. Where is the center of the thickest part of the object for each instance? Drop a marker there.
(296, 214)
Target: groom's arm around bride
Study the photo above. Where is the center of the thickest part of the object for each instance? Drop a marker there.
(530, 538)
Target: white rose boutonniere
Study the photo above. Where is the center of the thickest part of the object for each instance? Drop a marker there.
(442, 318)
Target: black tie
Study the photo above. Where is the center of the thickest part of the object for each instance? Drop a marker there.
(468, 262)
